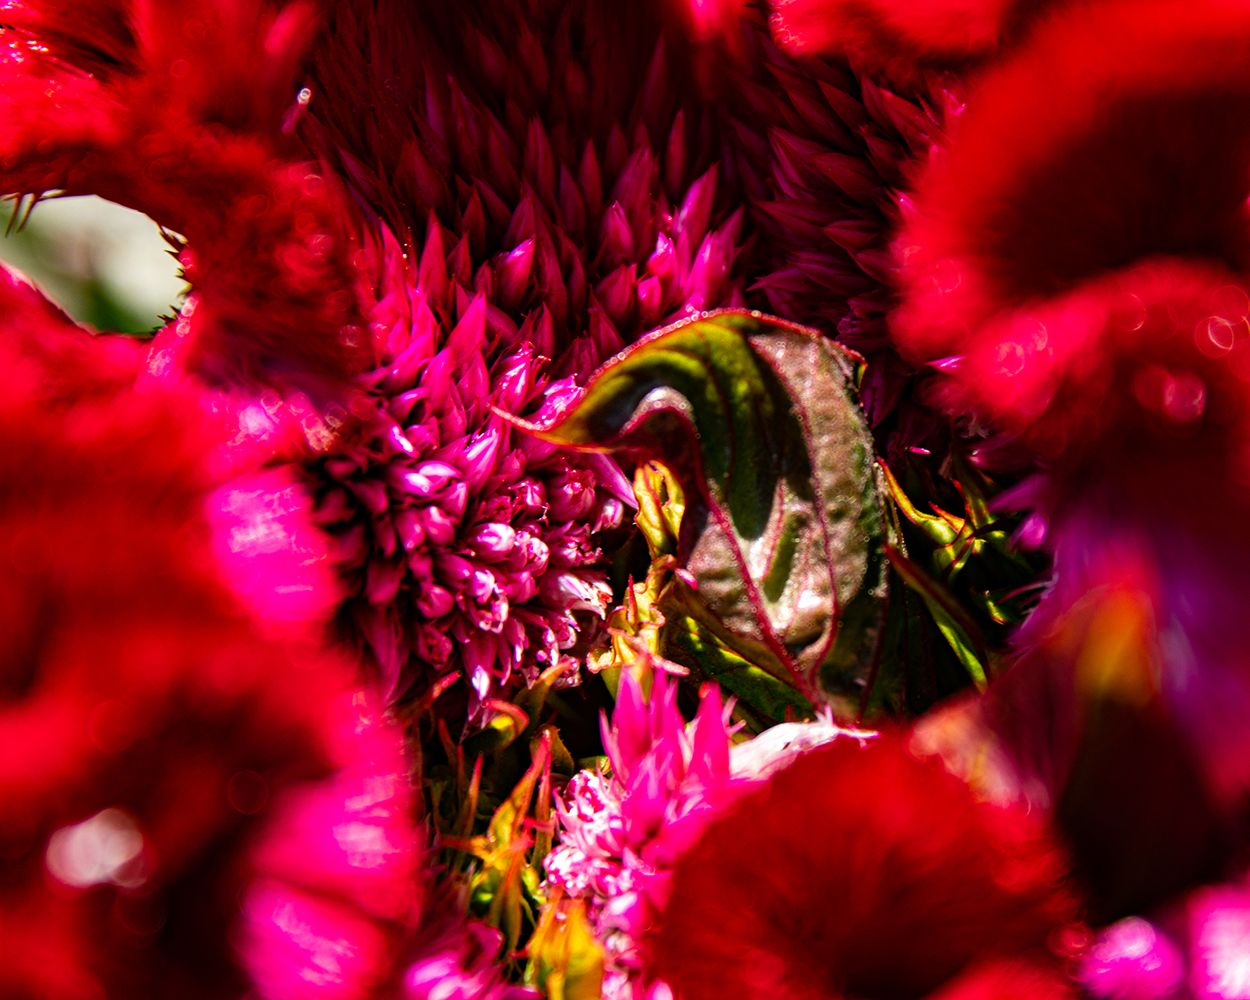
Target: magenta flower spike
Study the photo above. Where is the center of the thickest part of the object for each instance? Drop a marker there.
(545, 191)
(621, 832)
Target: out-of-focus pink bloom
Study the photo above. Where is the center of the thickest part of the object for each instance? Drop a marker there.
(1219, 929)
(453, 959)
(1133, 959)
(335, 883)
(1192, 949)
(194, 804)
(272, 553)
(864, 871)
(147, 724)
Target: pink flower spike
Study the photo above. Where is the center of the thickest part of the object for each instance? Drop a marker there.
(619, 832)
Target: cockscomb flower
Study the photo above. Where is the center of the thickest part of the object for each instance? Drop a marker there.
(1034, 265)
(1193, 948)
(341, 903)
(1137, 149)
(197, 803)
(826, 153)
(543, 195)
(182, 110)
(1120, 713)
(862, 870)
(147, 723)
(1122, 389)
(467, 548)
(1080, 284)
(900, 38)
(621, 831)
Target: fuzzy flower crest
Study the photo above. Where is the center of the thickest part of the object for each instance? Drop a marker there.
(882, 875)
(543, 193)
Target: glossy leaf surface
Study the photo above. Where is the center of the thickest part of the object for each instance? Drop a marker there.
(783, 528)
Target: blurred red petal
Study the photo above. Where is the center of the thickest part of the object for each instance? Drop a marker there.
(1118, 131)
(882, 875)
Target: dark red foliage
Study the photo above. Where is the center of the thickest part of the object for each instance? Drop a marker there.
(862, 871)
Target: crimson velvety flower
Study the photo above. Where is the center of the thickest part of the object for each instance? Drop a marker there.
(183, 110)
(1115, 133)
(897, 37)
(1126, 389)
(541, 190)
(1080, 284)
(147, 724)
(865, 871)
(1077, 281)
(1120, 713)
(196, 803)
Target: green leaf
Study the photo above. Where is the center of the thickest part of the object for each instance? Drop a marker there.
(957, 627)
(566, 961)
(690, 638)
(783, 529)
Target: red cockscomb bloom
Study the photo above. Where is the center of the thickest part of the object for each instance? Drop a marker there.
(1029, 266)
(147, 725)
(1127, 390)
(545, 189)
(1116, 133)
(195, 802)
(1080, 282)
(1118, 716)
(182, 110)
(897, 37)
(864, 871)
